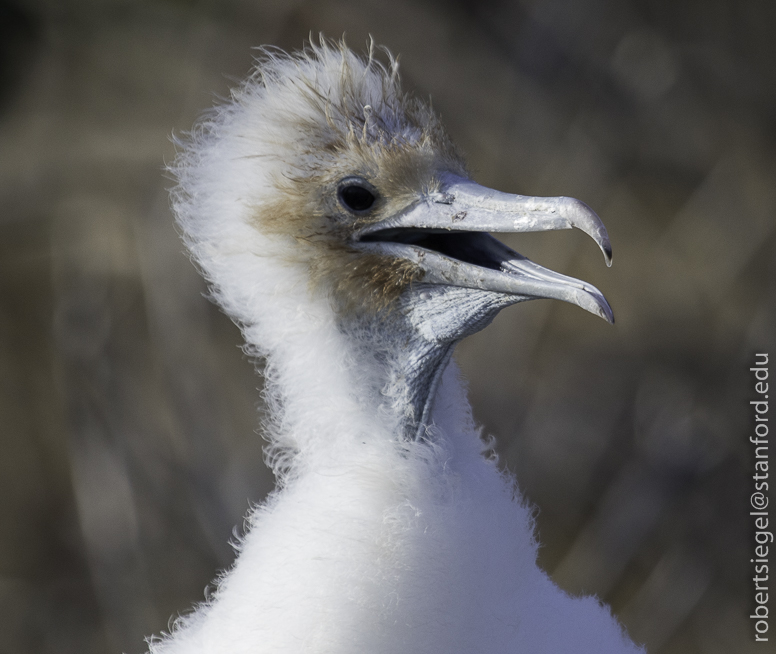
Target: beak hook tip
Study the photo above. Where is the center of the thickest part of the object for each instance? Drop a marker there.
(607, 250)
(608, 315)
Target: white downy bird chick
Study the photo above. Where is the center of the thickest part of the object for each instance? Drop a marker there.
(337, 225)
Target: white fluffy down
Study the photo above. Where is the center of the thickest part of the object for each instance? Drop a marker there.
(370, 544)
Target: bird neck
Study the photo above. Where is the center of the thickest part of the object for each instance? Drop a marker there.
(331, 382)
(408, 371)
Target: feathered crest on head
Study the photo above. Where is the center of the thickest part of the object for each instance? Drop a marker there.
(338, 99)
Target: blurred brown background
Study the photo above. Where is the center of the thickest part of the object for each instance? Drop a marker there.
(128, 452)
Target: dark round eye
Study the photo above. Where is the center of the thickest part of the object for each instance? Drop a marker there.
(356, 198)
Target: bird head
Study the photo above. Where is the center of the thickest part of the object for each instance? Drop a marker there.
(321, 184)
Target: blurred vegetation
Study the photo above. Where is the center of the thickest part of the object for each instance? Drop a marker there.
(129, 415)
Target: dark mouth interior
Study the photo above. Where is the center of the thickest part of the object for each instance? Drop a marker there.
(476, 248)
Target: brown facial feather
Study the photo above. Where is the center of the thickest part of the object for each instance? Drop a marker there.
(395, 143)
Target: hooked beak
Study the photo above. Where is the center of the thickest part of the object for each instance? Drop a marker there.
(446, 234)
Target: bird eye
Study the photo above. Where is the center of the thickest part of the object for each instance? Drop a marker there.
(356, 197)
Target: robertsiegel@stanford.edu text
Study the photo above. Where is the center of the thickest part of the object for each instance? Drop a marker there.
(759, 498)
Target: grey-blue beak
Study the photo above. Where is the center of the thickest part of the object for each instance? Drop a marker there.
(446, 234)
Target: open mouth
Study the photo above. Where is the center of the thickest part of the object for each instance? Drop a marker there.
(475, 248)
(447, 235)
